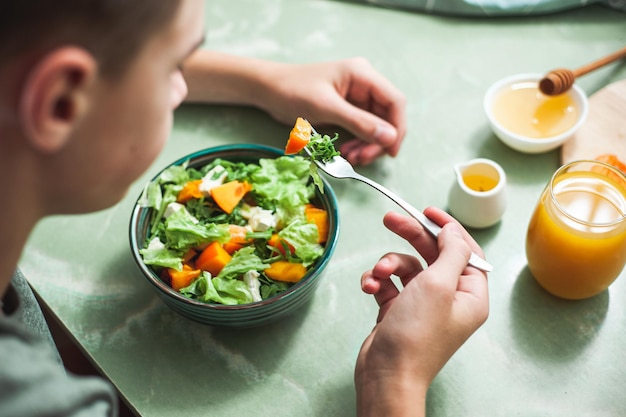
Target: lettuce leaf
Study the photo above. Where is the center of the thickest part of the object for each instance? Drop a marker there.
(217, 290)
(315, 176)
(176, 174)
(163, 190)
(243, 260)
(151, 196)
(159, 255)
(232, 290)
(284, 180)
(183, 231)
(303, 237)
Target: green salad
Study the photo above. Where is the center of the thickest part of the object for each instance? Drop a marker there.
(233, 232)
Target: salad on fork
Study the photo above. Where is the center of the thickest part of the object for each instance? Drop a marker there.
(324, 156)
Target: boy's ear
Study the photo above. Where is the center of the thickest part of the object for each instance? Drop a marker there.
(55, 96)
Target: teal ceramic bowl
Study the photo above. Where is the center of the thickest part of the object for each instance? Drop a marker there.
(246, 315)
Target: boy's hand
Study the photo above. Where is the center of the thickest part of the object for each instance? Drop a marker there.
(421, 326)
(350, 94)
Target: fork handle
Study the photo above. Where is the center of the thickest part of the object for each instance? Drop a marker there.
(430, 226)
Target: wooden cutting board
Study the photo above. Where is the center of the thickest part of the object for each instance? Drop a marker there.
(604, 131)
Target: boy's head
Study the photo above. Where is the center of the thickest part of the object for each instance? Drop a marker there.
(112, 30)
(87, 89)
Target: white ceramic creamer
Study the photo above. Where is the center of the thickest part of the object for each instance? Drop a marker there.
(478, 196)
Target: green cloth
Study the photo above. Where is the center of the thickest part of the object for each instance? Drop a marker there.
(495, 7)
(33, 382)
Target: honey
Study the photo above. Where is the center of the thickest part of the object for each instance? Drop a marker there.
(480, 183)
(521, 108)
(477, 197)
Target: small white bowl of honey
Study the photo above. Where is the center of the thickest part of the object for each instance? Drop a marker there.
(529, 121)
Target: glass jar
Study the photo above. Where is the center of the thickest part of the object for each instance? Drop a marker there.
(576, 240)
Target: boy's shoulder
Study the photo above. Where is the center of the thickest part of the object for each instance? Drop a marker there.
(32, 373)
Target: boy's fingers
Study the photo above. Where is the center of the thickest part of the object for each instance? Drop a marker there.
(454, 253)
(411, 231)
(403, 266)
(441, 218)
(386, 289)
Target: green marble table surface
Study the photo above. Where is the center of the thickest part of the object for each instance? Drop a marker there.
(536, 355)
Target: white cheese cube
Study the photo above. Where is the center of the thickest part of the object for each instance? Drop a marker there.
(172, 208)
(261, 219)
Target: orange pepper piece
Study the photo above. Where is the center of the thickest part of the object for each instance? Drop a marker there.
(286, 271)
(181, 279)
(277, 242)
(231, 247)
(320, 218)
(189, 255)
(229, 194)
(190, 190)
(299, 136)
(213, 258)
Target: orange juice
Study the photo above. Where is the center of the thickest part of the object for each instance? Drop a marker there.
(523, 109)
(576, 241)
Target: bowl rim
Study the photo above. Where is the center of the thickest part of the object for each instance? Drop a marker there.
(578, 95)
(165, 290)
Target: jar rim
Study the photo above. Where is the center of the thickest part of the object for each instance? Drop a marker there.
(610, 167)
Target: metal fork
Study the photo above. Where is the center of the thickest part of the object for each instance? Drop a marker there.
(338, 167)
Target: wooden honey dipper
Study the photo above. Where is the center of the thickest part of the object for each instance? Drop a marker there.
(560, 80)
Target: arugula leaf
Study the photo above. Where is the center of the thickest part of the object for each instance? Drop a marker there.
(270, 288)
(322, 149)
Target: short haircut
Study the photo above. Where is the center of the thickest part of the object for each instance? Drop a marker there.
(112, 30)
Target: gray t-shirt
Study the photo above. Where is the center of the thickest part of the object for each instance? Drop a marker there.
(495, 7)
(33, 381)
